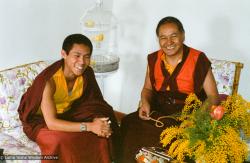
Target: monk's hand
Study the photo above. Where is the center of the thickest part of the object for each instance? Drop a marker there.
(101, 127)
(144, 111)
(106, 129)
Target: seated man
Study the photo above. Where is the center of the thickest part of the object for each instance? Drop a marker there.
(64, 110)
(173, 72)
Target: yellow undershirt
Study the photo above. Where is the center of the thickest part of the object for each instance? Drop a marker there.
(62, 98)
(167, 66)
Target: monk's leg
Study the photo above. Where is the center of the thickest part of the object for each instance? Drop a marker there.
(73, 147)
(137, 133)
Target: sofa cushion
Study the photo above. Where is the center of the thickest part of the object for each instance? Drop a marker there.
(21, 139)
(13, 148)
(12, 145)
(13, 83)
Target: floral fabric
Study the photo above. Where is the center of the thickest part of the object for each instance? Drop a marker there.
(224, 72)
(12, 146)
(13, 83)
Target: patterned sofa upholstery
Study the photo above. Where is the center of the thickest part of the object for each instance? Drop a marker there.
(15, 81)
(227, 75)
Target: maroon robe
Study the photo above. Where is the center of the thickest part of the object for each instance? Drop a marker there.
(70, 147)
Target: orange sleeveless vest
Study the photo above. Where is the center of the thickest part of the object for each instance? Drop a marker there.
(184, 79)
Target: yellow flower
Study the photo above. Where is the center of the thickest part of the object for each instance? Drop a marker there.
(206, 139)
(191, 104)
(169, 134)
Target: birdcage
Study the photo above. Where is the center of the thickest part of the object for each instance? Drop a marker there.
(101, 27)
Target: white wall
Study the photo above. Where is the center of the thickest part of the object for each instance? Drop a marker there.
(34, 30)
(220, 28)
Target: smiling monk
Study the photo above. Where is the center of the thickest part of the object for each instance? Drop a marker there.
(173, 72)
(64, 110)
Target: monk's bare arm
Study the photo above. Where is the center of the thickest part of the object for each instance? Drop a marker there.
(146, 95)
(210, 87)
(49, 112)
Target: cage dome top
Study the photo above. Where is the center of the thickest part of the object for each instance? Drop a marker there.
(98, 19)
(99, 26)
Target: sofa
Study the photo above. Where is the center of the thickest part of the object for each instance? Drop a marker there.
(15, 81)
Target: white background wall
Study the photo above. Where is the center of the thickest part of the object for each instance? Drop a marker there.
(34, 30)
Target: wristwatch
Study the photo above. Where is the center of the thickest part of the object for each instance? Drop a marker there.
(83, 127)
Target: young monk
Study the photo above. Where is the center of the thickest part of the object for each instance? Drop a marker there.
(64, 111)
(173, 72)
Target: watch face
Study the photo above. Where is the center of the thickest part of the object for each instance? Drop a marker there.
(83, 127)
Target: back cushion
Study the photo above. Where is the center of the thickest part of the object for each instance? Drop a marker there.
(13, 83)
(224, 72)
